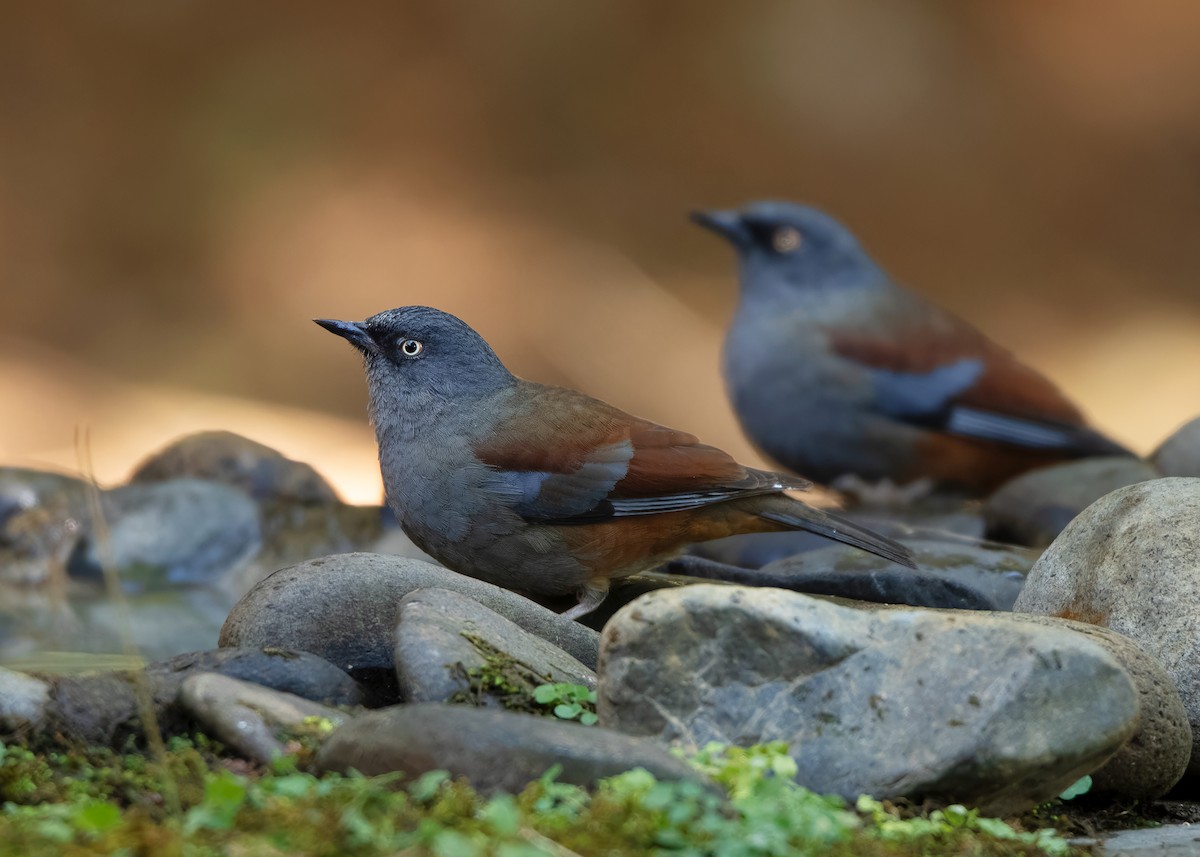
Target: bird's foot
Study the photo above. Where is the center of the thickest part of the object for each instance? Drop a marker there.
(590, 597)
(885, 492)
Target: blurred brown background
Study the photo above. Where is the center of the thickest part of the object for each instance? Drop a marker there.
(183, 185)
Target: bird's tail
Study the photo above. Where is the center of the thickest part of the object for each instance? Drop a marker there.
(798, 516)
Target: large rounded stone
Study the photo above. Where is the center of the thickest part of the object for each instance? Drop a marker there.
(973, 707)
(1131, 562)
(493, 750)
(344, 608)
(222, 456)
(1179, 455)
(1035, 507)
(1156, 756)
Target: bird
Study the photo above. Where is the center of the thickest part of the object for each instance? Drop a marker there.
(544, 489)
(839, 373)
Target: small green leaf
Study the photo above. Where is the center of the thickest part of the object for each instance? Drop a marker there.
(567, 712)
(545, 693)
(588, 718)
(1080, 787)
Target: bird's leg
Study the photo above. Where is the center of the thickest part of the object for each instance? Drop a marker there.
(884, 493)
(590, 597)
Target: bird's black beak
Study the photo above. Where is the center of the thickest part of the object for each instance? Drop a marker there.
(726, 223)
(352, 331)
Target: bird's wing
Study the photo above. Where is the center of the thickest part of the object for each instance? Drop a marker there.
(563, 457)
(953, 379)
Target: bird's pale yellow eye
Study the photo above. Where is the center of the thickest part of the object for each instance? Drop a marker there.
(411, 347)
(786, 239)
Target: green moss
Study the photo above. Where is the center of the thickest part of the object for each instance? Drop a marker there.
(83, 802)
(501, 678)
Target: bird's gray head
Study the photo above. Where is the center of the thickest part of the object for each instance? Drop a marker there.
(785, 246)
(418, 355)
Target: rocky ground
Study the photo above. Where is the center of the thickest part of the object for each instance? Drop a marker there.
(1049, 643)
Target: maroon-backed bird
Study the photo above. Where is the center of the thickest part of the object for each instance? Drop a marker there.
(543, 489)
(836, 370)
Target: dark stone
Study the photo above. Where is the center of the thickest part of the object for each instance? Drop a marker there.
(300, 673)
(990, 573)
(883, 586)
(494, 750)
(104, 709)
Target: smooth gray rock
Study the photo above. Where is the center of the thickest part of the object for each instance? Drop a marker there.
(23, 702)
(1131, 562)
(1034, 507)
(301, 674)
(248, 717)
(344, 608)
(443, 635)
(494, 750)
(182, 532)
(1156, 756)
(221, 456)
(1179, 454)
(977, 708)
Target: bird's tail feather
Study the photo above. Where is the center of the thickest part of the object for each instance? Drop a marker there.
(840, 529)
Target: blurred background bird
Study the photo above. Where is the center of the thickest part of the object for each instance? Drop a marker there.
(841, 374)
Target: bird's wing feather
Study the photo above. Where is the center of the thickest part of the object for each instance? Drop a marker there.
(567, 458)
(957, 381)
